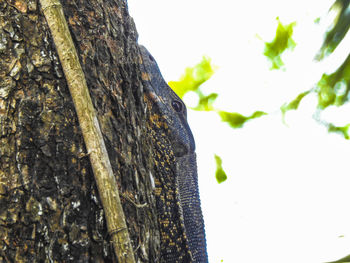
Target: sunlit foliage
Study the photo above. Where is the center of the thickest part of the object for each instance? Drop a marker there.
(236, 120)
(220, 174)
(282, 41)
(294, 104)
(206, 102)
(193, 77)
(333, 89)
(342, 260)
(339, 29)
(344, 130)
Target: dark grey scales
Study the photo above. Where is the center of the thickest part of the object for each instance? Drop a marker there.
(169, 124)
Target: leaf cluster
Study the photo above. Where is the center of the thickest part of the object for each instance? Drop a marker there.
(282, 41)
(331, 89)
(192, 80)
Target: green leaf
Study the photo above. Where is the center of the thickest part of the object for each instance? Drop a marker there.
(342, 260)
(206, 102)
(193, 77)
(326, 95)
(282, 41)
(294, 104)
(333, 89)
(257, 114)
(220, 174)
(344, 130)
(236, 120)
(338, 30)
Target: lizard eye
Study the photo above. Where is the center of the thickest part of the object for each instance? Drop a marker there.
(177, 105)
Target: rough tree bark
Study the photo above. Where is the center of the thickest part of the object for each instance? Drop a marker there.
(49, 205)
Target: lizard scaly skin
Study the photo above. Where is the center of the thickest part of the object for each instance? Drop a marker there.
(178, 203)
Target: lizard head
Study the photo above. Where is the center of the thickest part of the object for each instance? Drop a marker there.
(167, 109)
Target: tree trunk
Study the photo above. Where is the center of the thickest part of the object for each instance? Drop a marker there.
(50, 209)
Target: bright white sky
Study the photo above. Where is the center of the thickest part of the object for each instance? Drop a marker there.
(287, 195)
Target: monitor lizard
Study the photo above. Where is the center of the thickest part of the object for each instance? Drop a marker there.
(176, 189)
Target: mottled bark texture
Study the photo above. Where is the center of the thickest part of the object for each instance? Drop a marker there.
(49, 205)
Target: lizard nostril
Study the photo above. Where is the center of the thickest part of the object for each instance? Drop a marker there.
(177, 105)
